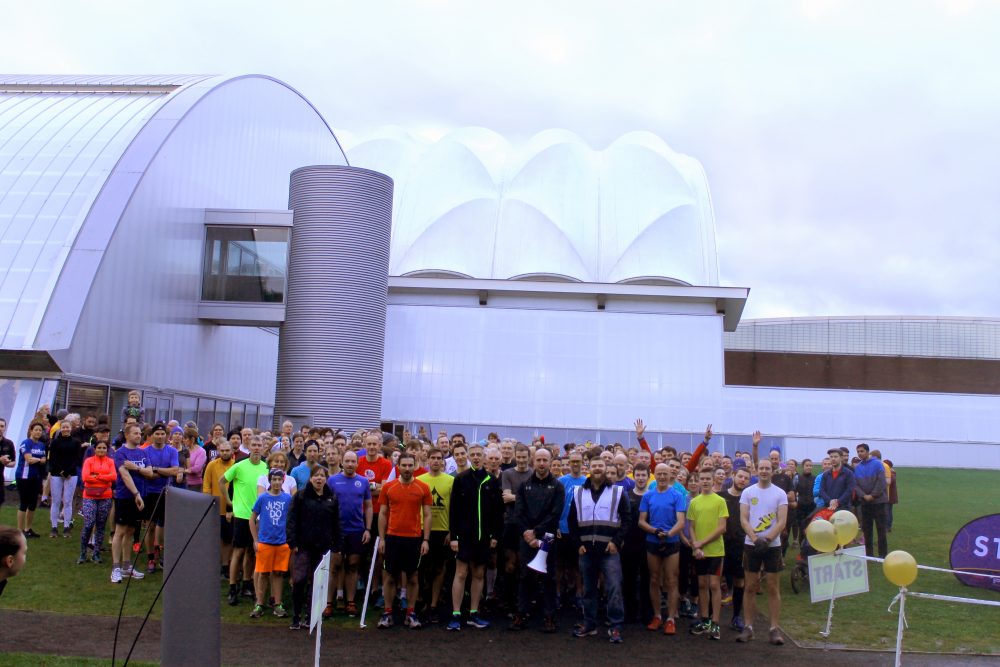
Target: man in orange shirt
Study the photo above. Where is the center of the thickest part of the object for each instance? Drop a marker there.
(405, 520)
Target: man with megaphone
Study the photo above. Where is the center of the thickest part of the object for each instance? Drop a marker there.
(537, 510)
(598, 521)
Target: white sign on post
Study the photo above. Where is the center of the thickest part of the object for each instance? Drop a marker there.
(321, 584)
(835, 575)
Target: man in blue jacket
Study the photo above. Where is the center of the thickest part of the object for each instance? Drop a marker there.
(837, 485)
(872, 495)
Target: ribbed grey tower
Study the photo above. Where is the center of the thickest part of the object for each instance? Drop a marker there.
(332, 342)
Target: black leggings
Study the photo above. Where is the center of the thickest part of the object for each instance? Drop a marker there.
(29, 490)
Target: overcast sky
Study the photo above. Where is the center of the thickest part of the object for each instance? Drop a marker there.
(852, 148)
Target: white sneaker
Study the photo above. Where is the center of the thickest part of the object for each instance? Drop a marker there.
(116, 575)
(136, 574)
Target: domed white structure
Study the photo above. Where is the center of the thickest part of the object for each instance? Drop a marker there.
(473, 205)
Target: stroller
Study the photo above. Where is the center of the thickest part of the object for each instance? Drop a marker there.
(800, 570)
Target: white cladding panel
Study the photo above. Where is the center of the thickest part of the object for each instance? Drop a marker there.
(234, 149)
(550, 368)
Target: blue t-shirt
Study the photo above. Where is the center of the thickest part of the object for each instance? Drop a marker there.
(272, 516)
(661, 511)
(569, 483)
(159, 458)
(35, 470)
(352, 492)
(137, 456)
(626, 483)
(300, 474)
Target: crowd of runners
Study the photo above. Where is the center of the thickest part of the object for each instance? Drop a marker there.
(458, 534)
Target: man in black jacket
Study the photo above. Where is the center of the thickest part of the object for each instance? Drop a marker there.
(598, 521)
(476, 524)
(537, 509)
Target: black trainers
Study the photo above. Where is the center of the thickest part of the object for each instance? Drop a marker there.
(234, 597)
(296, 623)
(549, 625)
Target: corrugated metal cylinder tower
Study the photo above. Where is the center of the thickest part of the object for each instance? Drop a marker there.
(331, 347)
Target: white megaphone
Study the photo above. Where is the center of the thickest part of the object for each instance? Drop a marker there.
(540, 562)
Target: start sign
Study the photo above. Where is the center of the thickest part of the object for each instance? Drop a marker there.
(976, 549)
(837, 575)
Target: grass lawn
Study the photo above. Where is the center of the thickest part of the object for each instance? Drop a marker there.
(930, 512)
(933, 505)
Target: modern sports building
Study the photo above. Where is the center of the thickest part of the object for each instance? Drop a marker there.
(549, 287)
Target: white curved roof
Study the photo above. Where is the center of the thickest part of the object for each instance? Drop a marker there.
(473, 204)
(72, 151)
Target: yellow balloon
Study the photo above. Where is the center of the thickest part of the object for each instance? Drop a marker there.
(846, 525)
(900, 568)
(822, 535)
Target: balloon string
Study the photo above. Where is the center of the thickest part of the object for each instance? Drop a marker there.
(898, 598)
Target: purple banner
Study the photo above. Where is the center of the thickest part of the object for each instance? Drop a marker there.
(976, 548)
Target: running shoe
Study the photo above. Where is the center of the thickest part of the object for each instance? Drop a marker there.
(655, 624)
(151, 566)
(700, 628)
(775, 637)
(54, 532)
(615, 636)
(135, 574)
(279, 611)
(411, 621)
(385, 622)
(82, 559)
(517, 624)
(96, 558)
(248, 591)
(549, 625)
(454, 624)
(116, 575)
(31, 533)
(669, 627)
(433, 616)
(296, 623)
(746, 635)
(715, 633)
(737, 623)
(258, 611)
(583, 631)
(727, 599)
(477, 621)
(351, 610)
(67, 530)
(234, 597)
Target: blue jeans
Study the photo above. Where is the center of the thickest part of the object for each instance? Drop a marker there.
(594, 563)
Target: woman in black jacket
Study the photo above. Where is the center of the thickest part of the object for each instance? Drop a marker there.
(313, 528)
(64, 463)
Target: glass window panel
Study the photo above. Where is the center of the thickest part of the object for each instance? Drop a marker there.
(222, 413)
(251, 419)
(255, 261)
(186, 409)
(236, 415)
(87, 399)
(265, 418)
(206, 415)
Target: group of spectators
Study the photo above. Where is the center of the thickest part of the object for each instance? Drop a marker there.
(455, 532)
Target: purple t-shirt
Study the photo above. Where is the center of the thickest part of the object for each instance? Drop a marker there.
(160, 458)
(352, 492)
(137, 456)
